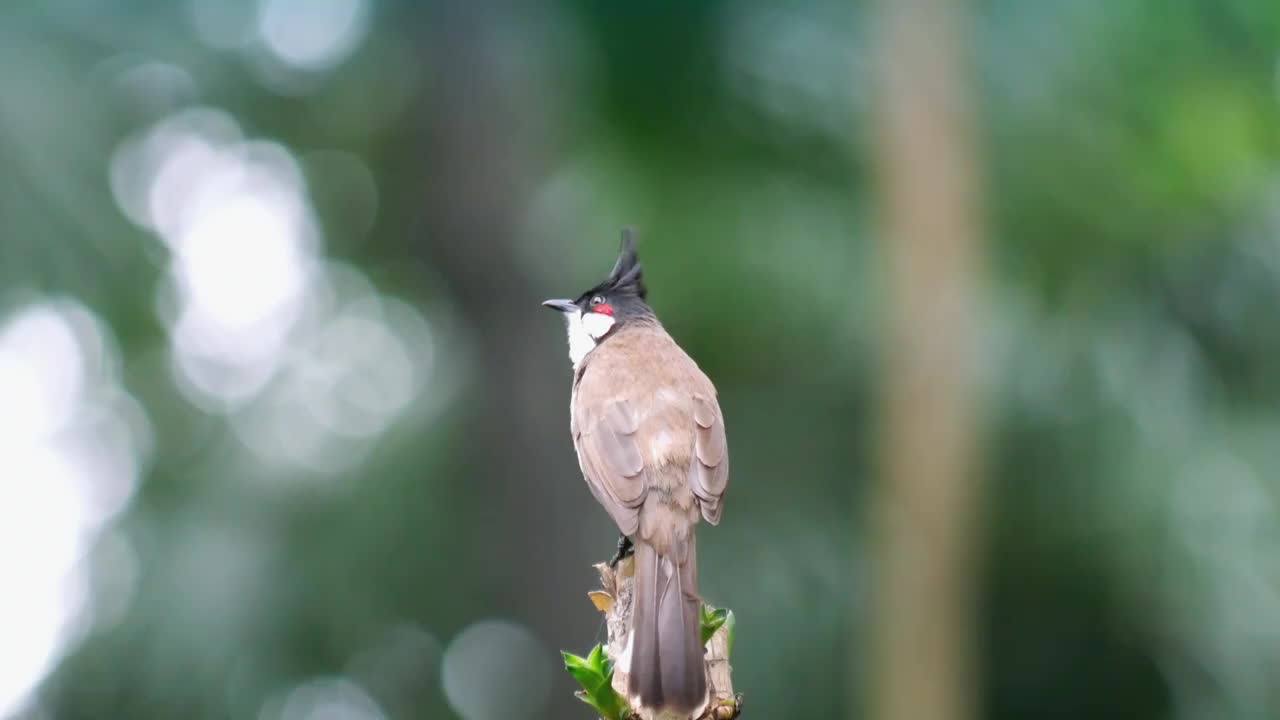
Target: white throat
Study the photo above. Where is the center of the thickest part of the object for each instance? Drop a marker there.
(585, 331)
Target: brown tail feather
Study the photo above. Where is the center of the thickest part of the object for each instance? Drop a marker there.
(667, 668)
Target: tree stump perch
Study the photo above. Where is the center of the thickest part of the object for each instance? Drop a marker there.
(614, 599)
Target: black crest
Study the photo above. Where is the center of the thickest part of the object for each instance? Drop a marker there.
(627, 276)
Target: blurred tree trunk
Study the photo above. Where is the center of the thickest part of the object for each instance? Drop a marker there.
(481, 157)
(923, 659)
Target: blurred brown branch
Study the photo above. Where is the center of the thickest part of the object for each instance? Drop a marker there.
(923, 655)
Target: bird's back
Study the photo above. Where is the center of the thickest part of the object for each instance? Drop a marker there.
(639, 361)
(643, 367)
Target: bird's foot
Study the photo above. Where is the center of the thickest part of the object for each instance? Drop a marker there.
(625, 550)
(726, 709)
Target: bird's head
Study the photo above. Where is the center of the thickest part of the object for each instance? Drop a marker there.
(619, 299)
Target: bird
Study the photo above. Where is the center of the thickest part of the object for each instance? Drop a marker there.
(650, 438)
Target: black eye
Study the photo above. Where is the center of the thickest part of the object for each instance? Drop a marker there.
(596, 300)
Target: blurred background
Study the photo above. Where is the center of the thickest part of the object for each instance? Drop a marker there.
(284, 430)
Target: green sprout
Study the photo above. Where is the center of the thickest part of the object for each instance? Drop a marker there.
(595, 671)
(712, 620)
(595, 674)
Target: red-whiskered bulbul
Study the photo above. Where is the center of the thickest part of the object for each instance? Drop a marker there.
(651, 443)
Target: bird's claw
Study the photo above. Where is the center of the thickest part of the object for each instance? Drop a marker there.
(625, 550)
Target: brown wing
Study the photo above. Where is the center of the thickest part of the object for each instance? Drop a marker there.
(605, 438)
(709, 471)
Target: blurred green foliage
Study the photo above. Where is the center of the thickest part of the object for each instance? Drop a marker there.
(467, 160)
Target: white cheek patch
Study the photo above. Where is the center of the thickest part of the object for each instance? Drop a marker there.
(597, 324)
(585, 331)
(580, 341)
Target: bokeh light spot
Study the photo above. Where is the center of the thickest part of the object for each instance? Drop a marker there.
(325, 699)
(494, 669)
(242, 242)
(70, 463)
(312, 34)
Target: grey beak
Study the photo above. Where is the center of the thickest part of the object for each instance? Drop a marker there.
(563, 306)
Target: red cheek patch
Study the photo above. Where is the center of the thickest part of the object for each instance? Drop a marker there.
(604, 309)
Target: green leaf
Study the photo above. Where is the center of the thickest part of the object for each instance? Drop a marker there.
(608, 704)
(600, 662)
(571, 660)
(580, 668)
(712, 620)
(588, 699)
(596, 658)
(595, 674)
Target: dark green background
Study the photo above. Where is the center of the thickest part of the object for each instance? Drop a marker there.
(1131, 372)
